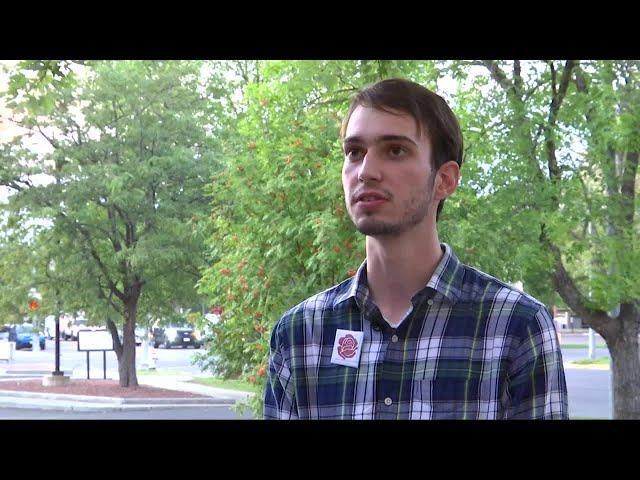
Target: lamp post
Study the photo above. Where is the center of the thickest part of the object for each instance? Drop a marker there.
(57, 371)
(57, 377)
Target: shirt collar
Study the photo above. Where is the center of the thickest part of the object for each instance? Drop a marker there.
(446, 279)
(357, 282)
(448, 276)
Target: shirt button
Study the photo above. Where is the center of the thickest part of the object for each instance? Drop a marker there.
(394, 338)
(430, 302)
(388, 401)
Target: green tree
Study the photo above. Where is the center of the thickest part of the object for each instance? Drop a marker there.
(553, 161)
(28, 262)
(130, 152)
(17, 267)
(280, 231)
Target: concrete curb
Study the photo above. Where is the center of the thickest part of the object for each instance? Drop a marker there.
(85, 403)
(114, 400)
(25, 373)
(67, 406)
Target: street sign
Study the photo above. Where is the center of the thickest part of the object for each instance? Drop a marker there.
(94, 340)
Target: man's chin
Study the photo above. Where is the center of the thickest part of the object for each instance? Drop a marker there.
(373, 229)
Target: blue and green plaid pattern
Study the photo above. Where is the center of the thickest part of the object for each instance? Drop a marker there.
(472, 348)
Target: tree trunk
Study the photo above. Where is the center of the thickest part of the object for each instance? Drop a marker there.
(625, 368)
(127, 361)
(126, 350)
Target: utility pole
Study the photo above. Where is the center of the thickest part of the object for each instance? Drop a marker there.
(57, 377)
(592, 344)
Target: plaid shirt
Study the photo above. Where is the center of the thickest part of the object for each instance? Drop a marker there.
(472, 347)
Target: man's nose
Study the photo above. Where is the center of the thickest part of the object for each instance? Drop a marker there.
(370, 168)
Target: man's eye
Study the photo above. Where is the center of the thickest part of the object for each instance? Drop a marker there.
(397, 150)
(353, 153)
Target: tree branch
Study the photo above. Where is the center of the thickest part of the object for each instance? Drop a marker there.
(560, 94)
(499, 76)
(517, 77)
(532, 90)
(554, 78)
(53, 143)
(117, 246)
(17, 184)
(587, 201)
(556, 101)
(92, 250)
(122, 213)
(566, 287)
(109, 300)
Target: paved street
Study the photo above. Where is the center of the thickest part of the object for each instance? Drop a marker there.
(71, 360)
(589, 393)
(187, 413)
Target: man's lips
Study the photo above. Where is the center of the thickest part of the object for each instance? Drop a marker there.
(369, 196)
(369, 199)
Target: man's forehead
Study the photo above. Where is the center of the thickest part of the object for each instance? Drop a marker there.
(369, 121)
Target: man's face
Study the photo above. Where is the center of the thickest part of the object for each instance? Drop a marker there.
(387, 174)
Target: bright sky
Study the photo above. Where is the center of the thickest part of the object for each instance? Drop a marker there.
(8, 129)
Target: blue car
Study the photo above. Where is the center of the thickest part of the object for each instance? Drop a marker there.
(24, 334)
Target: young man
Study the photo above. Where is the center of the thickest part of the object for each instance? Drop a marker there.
(415, 334)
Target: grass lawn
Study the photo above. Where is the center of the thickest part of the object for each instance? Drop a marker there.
(588, 361)
(580, 345)
(239, 385)
(228, 384)
(160, 371)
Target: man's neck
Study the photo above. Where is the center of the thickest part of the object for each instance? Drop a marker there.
(398, 267)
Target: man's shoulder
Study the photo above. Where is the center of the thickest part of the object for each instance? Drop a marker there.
(319, 303)
(478, 285)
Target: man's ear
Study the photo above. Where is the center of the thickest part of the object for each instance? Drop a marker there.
(447, 178)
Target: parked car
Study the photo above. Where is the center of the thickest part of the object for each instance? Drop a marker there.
(50, 326)
(176, 336)
(7, 333)
(78, 324)
(24, 336)
(139, 333)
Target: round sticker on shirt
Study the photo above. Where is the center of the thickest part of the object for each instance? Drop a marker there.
(347, 347)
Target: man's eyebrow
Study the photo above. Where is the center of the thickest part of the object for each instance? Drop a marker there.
(380, 139)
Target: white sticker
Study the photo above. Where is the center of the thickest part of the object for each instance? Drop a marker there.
(347, 347)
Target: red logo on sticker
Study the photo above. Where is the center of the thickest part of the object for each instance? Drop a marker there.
(347, 346)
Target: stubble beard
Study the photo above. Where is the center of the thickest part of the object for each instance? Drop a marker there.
(415, 210)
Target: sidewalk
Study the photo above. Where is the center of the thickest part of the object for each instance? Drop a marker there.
(80, 403)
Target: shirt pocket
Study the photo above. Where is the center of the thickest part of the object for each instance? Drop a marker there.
(333, 383)
(446, 395)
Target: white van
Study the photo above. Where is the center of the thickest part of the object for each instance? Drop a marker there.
(50, 327)
(78, 324)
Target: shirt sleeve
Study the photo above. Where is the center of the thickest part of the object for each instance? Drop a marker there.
(536, 385)
(279, 399)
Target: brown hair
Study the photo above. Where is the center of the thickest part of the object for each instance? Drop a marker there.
(430, 111)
